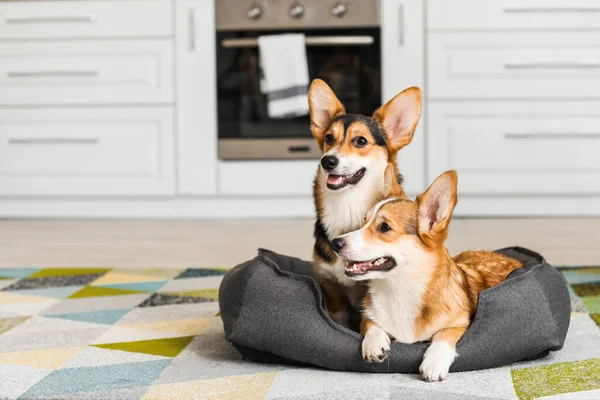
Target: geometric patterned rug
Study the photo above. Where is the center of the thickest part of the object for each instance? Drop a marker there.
(114, 333)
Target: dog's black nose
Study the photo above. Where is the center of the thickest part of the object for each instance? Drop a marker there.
(329, 162)
(338, 244)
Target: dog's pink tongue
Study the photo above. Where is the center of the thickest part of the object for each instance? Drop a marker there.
(335, 180)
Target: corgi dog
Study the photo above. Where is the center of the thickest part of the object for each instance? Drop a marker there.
(416, 291)
(350, 180)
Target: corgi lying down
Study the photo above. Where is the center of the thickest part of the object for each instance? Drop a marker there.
(416, 291)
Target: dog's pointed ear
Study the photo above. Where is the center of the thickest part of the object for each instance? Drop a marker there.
(391, 186)
(436, 205)
(324, 106)
(400, 115)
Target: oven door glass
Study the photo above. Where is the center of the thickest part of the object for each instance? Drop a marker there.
(352, 71)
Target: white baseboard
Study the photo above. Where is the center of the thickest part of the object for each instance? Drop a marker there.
(159, 208)
(275, 207)
(531, 206)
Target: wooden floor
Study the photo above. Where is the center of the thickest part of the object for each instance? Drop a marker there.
(162, 243)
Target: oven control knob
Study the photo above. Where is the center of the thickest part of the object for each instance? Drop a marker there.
(254, 12)
(296, 10)
(339, 10)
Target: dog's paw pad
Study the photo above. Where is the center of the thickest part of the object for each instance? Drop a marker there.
(375, 346)
(436, 362)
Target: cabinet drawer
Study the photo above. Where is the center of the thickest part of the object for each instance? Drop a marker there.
(83, 19)
(86, 152)
(535, 65)
(86, 73)
(512, 14)
(517, 147)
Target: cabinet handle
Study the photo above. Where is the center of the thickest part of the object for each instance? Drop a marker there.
(551, 66)
(52, 140)
(401, 21)
(552, 135)
(299, 149)
(50, 20)
(52, 74)
(192, 28)
(551, 10)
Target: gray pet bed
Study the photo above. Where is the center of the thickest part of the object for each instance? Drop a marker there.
(272, 312)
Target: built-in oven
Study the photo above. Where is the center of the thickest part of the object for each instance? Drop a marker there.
(343, 47)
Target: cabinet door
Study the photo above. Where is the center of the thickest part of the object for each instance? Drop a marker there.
(497, 15)
(196, 98)
(86, 72)
(402, 58)
(86, 152)
(513, 65)
(517, 148)
(85, 19)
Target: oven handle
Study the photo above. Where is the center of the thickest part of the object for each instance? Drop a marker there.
(310, 41)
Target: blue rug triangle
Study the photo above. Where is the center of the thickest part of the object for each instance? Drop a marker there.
(149, 287)
(106, 317)
(17, 273)
(54, 292)
(573, 277)
(61, 382)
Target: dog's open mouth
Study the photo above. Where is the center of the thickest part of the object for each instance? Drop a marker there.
(335, 182)
(357, 268)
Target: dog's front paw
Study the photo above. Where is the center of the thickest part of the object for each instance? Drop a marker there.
(437, 361)
(375, 345)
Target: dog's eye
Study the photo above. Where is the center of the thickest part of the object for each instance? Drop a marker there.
(384, 227)
(329, 139)
(360, 141)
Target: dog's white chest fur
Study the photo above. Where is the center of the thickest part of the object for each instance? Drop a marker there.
(345, 211)
(395, 305)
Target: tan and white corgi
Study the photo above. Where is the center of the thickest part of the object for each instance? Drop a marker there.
(416, 291)
(350, 179)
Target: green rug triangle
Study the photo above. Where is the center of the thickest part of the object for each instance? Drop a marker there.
(7, 324)
(49, 272)
(169, 347)
(212, 294)
(98, 291)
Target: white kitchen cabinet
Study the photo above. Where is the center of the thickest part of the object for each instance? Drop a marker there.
(517, 148)
(513, 104)
(85, 19)
(538, 65)
(86, 152)
(403, 63)
(196, 97)
(494, 15)
(74, 73)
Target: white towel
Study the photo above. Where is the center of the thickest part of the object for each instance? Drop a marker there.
(285, 74)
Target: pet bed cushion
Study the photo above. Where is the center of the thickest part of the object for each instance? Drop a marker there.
(272, 312)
